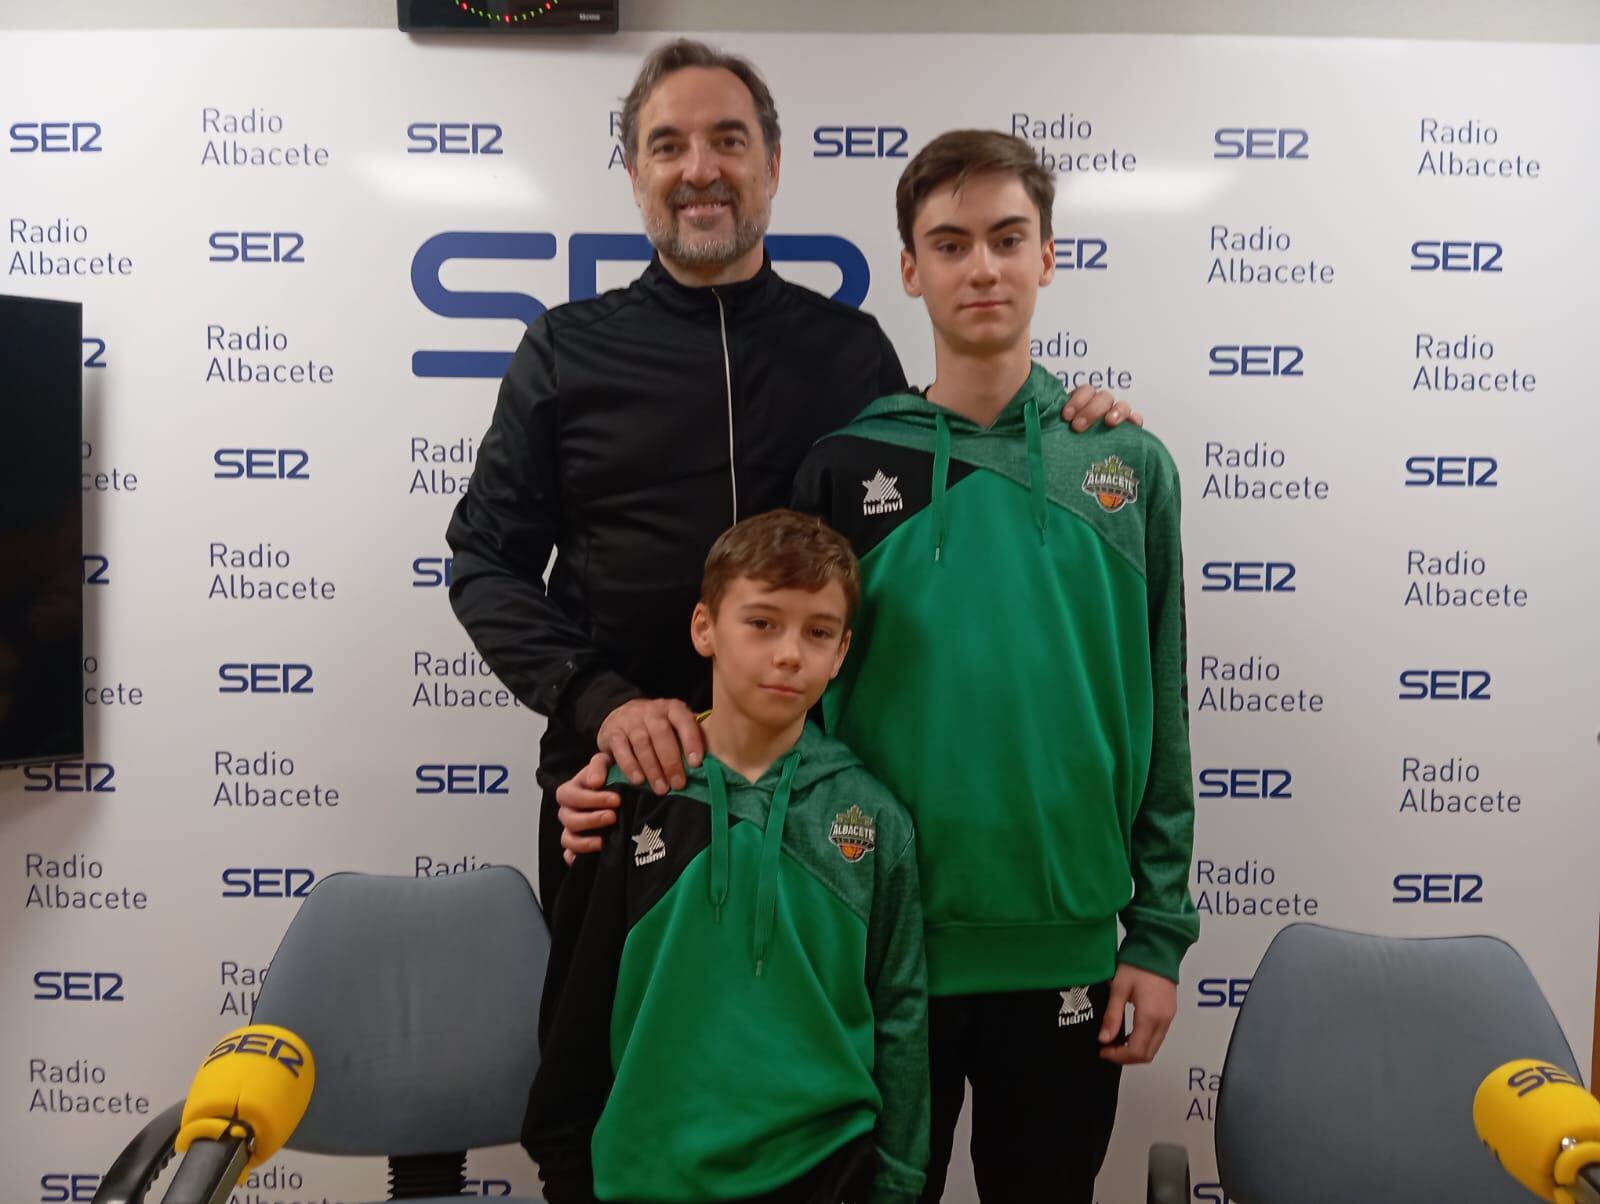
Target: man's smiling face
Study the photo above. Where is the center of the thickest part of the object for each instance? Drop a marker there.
(703, 176)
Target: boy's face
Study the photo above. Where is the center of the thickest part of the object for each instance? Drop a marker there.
(703, 177)
(978, 260)
(773, 650)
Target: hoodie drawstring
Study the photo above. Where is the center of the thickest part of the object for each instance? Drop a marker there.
(719, 836)
(941, 470)
(1036, 481)
(771, 848)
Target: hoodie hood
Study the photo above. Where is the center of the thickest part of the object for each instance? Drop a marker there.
(814, 758)
(821, 757)
(1038, 401)
(1042, 389)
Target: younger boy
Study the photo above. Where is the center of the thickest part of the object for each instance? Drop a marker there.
(735, 1005)
(1019, 680)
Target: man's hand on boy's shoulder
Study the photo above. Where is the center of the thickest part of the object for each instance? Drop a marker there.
(1088, 405)
(1155, 1003)
(651, 739)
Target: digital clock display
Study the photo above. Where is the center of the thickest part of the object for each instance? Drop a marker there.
(509, 16)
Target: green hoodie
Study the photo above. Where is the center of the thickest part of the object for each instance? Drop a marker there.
(1017, 678)
(736, 990)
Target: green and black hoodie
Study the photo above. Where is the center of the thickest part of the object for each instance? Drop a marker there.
(736, 990)
(1017, 677)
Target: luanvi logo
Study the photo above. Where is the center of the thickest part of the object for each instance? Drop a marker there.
(882, 496)
(1076, 1007)
(648, 847)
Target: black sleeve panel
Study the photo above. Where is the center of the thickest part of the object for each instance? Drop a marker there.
(604, 896)
(813, 492)
(891, 376)
(574, 1079)
(833, 480)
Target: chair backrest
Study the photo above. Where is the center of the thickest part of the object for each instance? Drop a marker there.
(1354, 1061)
(419, 998)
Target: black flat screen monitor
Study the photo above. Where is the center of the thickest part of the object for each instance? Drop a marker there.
(41, 530)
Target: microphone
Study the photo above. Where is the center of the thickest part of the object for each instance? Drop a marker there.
(246, 1099)
(1543, 1128)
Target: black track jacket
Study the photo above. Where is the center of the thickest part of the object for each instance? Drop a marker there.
(611, 444)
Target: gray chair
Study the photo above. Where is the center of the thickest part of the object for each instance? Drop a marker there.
(419, 999)
(1354, 1061)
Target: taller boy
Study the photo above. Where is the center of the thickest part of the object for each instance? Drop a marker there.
(1013, 574)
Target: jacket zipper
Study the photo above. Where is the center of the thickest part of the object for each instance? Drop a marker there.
(727, 378)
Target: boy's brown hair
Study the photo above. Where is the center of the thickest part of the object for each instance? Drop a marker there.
(957, 156)
(782, 549)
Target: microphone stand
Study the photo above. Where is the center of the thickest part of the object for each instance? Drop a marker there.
(211, 1168)
(1585, 1187)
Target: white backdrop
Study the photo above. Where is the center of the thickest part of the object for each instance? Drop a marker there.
(317, 267)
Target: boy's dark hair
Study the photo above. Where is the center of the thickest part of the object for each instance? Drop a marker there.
(958, 156)
(677, 55)
(782, 549)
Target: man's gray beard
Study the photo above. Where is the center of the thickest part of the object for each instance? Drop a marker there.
(703, 253)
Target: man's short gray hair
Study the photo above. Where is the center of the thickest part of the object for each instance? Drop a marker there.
(675, 56)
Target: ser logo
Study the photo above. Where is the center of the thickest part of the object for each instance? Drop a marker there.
(96, 569)
(277, 1049)
(262, 464)
(257, 246)
(68, 1187)
(1246, 783)
(1452, 472)
(266, 882)
(1455, 255)
(454, 138)
(1530, 1078)
(1211, 1193)
(1081, 255)
(1247, 577)
(429, 572)
(71, 777)
(468, 777)
(56, 137)
(1223, 992)
(80, 986)
(260, 677)
(1445, 685)
(486, 1187)
(1438, 888)
(1257, 359)
(1261, 142)
(859, 142)
(585, 252)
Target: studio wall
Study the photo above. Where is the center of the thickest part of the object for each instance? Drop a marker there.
(1350, 284)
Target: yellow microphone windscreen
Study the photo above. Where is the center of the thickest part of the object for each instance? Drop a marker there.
(255, 1083)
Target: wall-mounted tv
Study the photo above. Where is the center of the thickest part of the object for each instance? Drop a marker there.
(41, 530)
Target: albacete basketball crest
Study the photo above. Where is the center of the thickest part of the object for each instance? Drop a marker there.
(855, 833)
(1111, 483)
